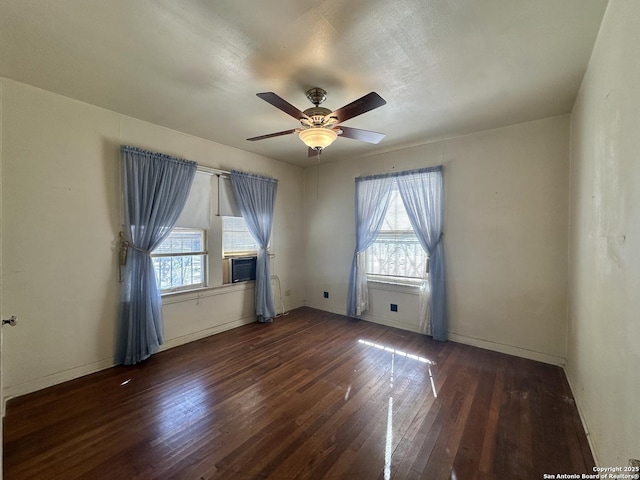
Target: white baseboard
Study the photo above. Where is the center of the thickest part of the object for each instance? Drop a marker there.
(391, 323)
(583, 420)
(476, 342)
(77, 372)
(508, 349)
(191, 337)
(53, 379)
(327, 307)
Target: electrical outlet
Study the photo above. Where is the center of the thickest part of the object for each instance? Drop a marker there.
(326, 294)
(394, 307)
(287, 293)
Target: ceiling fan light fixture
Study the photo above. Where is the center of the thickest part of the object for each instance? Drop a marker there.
(318, 138)
(320, 127)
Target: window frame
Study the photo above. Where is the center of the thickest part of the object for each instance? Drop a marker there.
(215, 261)
(400, 280)
(238, 253)
(202, 253)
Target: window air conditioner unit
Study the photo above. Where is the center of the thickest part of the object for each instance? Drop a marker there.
(243, 269)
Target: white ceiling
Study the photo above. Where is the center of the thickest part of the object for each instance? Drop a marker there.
(445, 67)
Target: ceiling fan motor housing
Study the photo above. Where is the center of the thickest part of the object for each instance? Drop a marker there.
(316, 95)
(317, 117)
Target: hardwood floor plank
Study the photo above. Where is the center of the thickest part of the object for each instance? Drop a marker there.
(466, 463)
(488, 446)
(312, 396)
(454, 417)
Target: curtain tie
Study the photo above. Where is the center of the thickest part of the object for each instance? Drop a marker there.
(433, 250)
(131, 245)
(124, 248)
(436, 244)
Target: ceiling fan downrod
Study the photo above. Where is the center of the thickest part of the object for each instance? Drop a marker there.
(316, 95)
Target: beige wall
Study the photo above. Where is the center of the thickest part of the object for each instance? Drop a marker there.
(1, 309)
(61, 216)
(604, 319)
(506, 209)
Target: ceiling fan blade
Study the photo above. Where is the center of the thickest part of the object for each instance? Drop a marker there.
(270, 135)
(358, 107)
(362, 135)
(282, 104)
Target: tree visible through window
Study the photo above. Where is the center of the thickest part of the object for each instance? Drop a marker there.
(396, 256)
(180, 261)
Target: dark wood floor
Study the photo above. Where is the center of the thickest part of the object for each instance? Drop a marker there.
(313, 395)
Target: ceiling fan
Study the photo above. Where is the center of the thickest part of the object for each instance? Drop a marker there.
(319, 125)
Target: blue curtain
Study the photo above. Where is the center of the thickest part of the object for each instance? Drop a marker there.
(256, 198)
(372, 201)
(155, 190)
(421, 192)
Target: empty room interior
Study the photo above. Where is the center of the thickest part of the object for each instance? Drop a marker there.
(445, 286)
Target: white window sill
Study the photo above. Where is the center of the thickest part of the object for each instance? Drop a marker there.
(240, 255)
(196, 293)
(393, 287)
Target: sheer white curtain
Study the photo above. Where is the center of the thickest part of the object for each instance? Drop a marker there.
(372, 200)
(421, 192)
(422, 195)
(155, 190)
(256, 197)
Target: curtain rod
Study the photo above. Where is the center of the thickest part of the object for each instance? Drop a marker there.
(202, 168)
(213, 171)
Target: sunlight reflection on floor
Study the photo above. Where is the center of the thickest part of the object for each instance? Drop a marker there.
(388, 451)
(389, 443)
(411, 356)
(396, 351)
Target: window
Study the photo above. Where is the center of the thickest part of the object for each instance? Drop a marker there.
(396, 256)
(180, 261)
(192, 256)
(236, 238)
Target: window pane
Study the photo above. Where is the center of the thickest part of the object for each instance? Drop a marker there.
(174, 270)
(399, 255)
(182, 271)
(396, 253)
(182, 240)
(397, 217)
(236, 237)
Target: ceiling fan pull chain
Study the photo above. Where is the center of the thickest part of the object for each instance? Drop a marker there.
(318, 175)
